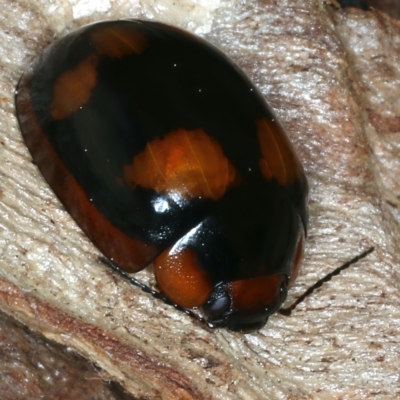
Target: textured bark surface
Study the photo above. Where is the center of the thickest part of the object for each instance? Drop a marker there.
(34, 368)
(333, 78)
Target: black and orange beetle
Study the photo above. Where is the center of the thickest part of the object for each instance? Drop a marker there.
(163, 151)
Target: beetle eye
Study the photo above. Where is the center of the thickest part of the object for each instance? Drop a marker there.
(217, 308)
(219, 303)
(246, 305)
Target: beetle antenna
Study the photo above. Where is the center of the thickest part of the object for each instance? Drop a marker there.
(152, 292)
(287, 311)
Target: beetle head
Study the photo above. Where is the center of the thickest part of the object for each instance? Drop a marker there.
(245, 305)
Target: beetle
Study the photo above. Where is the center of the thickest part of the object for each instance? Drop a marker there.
(163, 151)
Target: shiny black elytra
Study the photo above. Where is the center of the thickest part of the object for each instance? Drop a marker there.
(163, 151)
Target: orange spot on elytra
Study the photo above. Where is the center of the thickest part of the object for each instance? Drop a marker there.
(180, 279)
(73, 88)
(189, 163)
(130, 254)
(279, 160)
(118, 42)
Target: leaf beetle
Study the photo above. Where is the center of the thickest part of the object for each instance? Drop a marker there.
(163, 151)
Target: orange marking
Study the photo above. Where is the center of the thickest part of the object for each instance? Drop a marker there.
(118, 42)
(189, 163)
(180, 279)
(128, 253)
(279, 160)
(73, 88)
(256, 294)
(201, 169)
(156, 164)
